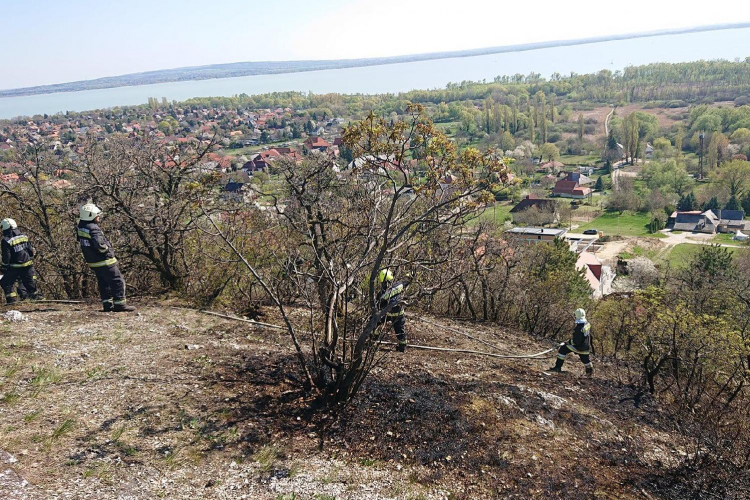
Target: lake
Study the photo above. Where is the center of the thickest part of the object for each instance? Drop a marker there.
(393, 78)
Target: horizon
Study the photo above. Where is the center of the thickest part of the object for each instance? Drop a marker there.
(470, 52)
(139, 42)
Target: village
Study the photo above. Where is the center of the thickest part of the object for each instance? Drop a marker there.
(541, 201)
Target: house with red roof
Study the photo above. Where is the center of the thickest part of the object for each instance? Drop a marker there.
(316, 143)
(261, 161)
(571, 186)
(599, 277)
(11, 177)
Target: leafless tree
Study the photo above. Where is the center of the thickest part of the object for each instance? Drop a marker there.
(154, 192)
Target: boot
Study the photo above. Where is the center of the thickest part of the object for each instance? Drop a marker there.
(401, 347)
(107, 307)
(558, 366)
(589, 371)
(123, 308)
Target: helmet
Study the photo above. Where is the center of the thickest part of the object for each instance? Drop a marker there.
(8, 224)
(385, 275)
(89, 212)
(580, 314)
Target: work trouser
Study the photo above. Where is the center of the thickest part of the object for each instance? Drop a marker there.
(111, 284)
(566, 349)
(23, 294)
(26, 276)
(398, 320)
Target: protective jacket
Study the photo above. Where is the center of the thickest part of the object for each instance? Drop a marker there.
(582, 336)
(96, 248)
(392, 295)
(17, 252)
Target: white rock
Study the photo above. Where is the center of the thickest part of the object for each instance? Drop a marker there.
(14, 316)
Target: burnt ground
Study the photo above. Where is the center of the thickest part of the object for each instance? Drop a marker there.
(170, 403)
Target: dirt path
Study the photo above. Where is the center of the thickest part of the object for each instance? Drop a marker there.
(673, 239)
(606, 122)
(610, 250)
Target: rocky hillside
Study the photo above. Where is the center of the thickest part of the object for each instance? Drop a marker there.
(170, 403)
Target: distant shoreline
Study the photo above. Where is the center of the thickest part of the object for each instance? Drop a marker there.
(231, 70)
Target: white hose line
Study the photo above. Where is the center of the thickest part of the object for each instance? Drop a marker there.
(479, 353)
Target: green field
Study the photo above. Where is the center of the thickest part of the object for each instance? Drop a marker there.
(627, 224)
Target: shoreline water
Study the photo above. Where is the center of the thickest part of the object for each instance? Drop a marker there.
(612, 55)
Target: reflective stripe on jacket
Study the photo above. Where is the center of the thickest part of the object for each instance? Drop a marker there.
(582, 337)
(392, 295)
(16, 249)
(96, 248)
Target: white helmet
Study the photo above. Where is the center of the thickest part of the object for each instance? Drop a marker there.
(8, 224)
(580, 314)
(89, 212)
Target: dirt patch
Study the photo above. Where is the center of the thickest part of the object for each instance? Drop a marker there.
(665, 117)
(175, 404)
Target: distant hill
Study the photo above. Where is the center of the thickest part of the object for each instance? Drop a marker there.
(273, 67)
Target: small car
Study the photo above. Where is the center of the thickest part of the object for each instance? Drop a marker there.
(591, 231)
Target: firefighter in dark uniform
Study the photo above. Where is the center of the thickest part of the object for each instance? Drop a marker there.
(100, 256)
(580, 344)
(17, 263)
(391, 293)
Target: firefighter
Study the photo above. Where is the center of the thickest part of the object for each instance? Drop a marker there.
(17, 263)
(100, 256)
(580, 344)
(390, 293)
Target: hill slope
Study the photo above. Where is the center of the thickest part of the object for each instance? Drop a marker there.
(175, 404)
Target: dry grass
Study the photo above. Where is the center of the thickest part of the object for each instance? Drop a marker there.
(108, 406)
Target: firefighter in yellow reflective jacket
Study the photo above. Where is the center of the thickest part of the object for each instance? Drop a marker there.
(100, 256)
(580, 344)
(390, 293)
(17, 263)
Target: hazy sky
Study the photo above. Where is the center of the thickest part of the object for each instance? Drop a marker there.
(57, 41)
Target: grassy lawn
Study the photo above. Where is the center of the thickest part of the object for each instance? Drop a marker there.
(627, 224)
(638, 251)
(681, 255)
(725, 238)
(587, 160)
(500, 212)
(247, 150)
(453, 126)
(585, 214)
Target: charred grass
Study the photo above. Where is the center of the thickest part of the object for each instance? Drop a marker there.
(118, 405)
